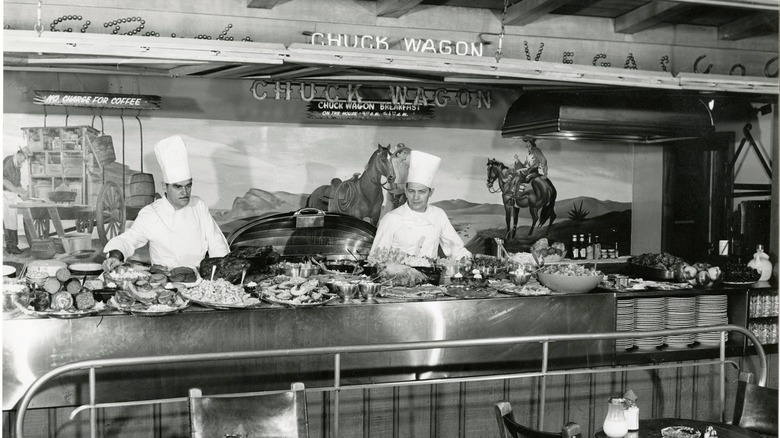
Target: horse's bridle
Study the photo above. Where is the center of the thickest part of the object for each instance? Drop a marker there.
(489, 182)
(390, 178)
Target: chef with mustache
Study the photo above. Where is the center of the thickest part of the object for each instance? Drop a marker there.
(178, 226)
(415, 227)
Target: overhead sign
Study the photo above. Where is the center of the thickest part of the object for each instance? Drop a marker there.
(368, 110)
(97, 100)
(357, 93)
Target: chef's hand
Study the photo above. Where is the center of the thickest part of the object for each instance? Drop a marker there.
(110, 264)
(23, 194)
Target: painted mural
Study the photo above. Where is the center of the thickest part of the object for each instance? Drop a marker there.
(245, 169)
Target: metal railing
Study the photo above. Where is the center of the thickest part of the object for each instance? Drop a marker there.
(543, 373)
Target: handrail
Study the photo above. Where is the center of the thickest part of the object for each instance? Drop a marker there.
(93, 364)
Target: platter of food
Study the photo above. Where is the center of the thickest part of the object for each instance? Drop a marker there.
(510, 288)
(295, 291)
(419, 293)
(149, 309)
(70, 313)
(738, 283)
(220, 294)
(325, 299)
(466, 292)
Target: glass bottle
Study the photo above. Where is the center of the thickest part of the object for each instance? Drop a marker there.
(761, 263)
(583, 247)
(574, 250)
(615, 425)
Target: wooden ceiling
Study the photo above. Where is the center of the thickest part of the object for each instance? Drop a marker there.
(291, 59)
(735, 20)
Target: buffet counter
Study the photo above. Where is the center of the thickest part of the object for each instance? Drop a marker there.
(32, 346)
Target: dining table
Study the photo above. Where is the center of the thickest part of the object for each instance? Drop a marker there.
(652, 428)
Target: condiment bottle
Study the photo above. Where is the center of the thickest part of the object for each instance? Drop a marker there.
(574, 250)
(761, 263)
(631, 410)
(615, 425)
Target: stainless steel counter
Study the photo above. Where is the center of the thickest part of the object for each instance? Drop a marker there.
(31, 347)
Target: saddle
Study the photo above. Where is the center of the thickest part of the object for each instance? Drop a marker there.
(344, 197)
(330, 190)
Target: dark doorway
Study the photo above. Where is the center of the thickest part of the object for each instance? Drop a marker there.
(697, 181)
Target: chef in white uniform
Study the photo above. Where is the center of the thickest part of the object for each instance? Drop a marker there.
(178, 227)
(417, 228)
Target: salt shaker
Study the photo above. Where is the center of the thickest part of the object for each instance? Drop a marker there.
(615, 425)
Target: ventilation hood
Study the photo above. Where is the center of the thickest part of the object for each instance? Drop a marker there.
(637, 117)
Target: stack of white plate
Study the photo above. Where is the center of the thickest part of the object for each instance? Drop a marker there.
(649, 315)
(625, 323)
(680, 313)
(711, 310)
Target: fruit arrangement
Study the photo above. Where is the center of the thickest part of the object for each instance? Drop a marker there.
(739, 273)
(698, 274)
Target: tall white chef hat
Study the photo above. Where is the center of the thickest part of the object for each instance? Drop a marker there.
(422, 168)
(171, 153)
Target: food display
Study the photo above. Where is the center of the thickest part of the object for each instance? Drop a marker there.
(240, 262)
(394, 255)
(698, 274)
(181, 274)
(738, 273)
(294, 291)
(419, 293)
(680, 432)
(145, 299)
(126, 273)
(662, 261)
(512, 288)
(220, 293)
(547, 252)
(569, 278)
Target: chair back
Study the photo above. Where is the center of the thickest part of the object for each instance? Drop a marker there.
(755, 407)
(246, 415)
(508, 427)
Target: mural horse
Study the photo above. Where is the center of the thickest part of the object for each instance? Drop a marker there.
(360, 196)
(539, 196)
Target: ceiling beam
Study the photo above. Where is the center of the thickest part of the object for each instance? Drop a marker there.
(265, 4)
(649, 15)
(528, 11)
(757, 24)
(395, 8)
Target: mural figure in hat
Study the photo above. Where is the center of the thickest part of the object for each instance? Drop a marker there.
(415, 227)
(178, 227)
(13, 192)
(533, 165)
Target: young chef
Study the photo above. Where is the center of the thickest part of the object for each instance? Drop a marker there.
(178, 227)
(13, 192)
(417, 228)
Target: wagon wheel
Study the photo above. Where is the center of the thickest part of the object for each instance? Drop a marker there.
(110, 212)
(42, 228)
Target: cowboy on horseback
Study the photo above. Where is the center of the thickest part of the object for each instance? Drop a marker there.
(535, 164)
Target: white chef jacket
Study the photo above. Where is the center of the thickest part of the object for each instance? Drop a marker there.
(176, 237)
(419, 234)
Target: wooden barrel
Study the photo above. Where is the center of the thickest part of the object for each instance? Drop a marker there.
(141, 190)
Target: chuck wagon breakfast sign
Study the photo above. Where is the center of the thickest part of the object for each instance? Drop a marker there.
(356, 101)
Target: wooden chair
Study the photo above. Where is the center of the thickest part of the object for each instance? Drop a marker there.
(508, 427)
(756, 406)
(240, 416)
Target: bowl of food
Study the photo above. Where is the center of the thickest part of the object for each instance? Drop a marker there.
(37, 276)
(62, 196)
(569, 278)
(303, 270)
